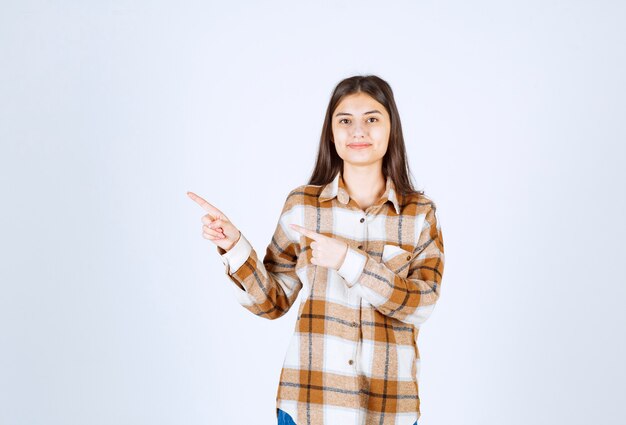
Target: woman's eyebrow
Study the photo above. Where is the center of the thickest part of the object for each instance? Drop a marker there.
(375, 111)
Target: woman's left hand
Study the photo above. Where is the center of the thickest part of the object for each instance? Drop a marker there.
(326, 251)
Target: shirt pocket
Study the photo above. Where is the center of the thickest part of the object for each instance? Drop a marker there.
(397, 259)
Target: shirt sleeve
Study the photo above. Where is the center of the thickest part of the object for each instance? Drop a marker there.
(267, 288)
(410, 299)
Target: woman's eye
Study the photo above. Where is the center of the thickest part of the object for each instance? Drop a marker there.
(341, 121)
(373, 118)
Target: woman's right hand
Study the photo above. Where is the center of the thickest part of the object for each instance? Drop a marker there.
(216, 226)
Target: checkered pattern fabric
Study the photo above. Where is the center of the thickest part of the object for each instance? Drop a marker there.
(353, 358)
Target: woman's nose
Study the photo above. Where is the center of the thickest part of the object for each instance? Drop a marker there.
(358, 130)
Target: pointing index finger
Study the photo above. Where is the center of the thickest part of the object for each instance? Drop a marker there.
(204, 204)
(306, 232)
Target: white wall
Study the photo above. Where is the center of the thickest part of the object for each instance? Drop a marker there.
(114, 309)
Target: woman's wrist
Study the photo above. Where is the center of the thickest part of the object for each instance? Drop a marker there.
(234, 243)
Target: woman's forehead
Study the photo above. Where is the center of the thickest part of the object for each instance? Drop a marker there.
(359, 103)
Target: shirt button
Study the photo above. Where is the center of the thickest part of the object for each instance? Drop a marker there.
(408, 257)
(350, 361)
(362, 219)
(355, 324)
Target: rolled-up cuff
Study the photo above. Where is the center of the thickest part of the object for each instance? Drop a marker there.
(352, 266)
(237, 255)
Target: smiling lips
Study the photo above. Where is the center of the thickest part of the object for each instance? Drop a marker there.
(359, 145)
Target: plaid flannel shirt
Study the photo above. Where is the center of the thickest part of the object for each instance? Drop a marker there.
(353, 358)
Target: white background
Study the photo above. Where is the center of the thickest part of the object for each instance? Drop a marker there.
(114, 309)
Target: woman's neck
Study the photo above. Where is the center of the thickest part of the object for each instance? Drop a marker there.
(364, 184)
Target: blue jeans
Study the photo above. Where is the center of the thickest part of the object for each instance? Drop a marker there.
(285, 419)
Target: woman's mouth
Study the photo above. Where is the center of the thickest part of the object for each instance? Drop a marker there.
(359, 145)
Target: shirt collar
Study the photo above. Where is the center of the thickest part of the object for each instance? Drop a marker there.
(337, 188)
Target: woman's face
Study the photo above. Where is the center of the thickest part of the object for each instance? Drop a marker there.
(361, 127)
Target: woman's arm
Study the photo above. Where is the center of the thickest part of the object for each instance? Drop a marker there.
(410, 299)
(267, 288)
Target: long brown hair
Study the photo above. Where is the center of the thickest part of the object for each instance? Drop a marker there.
(395, 164)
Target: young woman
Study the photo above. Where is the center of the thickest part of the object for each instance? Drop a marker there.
(367, 248)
